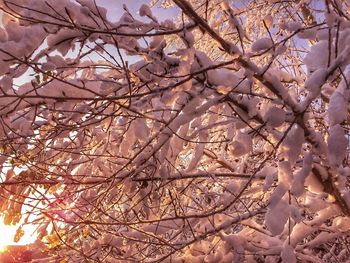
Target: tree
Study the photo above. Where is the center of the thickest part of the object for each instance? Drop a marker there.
(218, 135)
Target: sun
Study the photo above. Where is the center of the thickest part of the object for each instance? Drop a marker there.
(6, 239)
(8, 233)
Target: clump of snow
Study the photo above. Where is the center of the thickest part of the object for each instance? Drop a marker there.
(277, 195)
(330, 18)
(111, 240)
(297, 188)
(145, 10)
(269, 173)
(288, 255)
(242, 144)
(317, 57)
(251, 105)
(295, 213)
(262, 44)
(276, 218)
(198, 151)
(275, 116)
(313, 184)
(337, 109)
(223, 77)
(299, 232)
(269, 179)
(315, 81)
(282, 75)
(291, 147)
(268, 20)
(139, 126)
(337, 145)
(280, 50)
(341, 224)
(6, 83)
(188, 38)
(308, 33)
(346, 197)
(285, 174)
(293, 26)
(3, 35)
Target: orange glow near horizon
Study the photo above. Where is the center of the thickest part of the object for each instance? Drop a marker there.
(7, 234)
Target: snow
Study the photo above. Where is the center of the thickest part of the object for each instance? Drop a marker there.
(79, 124)
(288, 255)
(282, 75)
(232, 187)
(48, 66)
(280, 90)
(341, 224)
(291, 146)
(91, 6)
(235, 25)
(268, 20)
(323, 238)
(276, 218)
(337, 110)
(293, 26)
(270, 175)
(62, 40)
(308, 34)
(241, 145)
(295, 214)
(251, 105)
(315, 81)
(225, 5)
(145, 10)
(313, 184)
(198, 151)
(267, 171)
(6, 83)
(223, 77)
(299, 232)
(262, 44)
(189, 38)
(244, 86)
(156, 42)
(297, 188)
(140, 128)
(346, 197)
(275, 116)
(14, 31)
(277, 195)
(317, 57)
(324, 214)
(280, 49)
(3, 35)
(337, 145)
(85, 10)
(330, 18)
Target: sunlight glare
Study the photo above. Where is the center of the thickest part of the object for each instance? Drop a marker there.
(7, 234)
